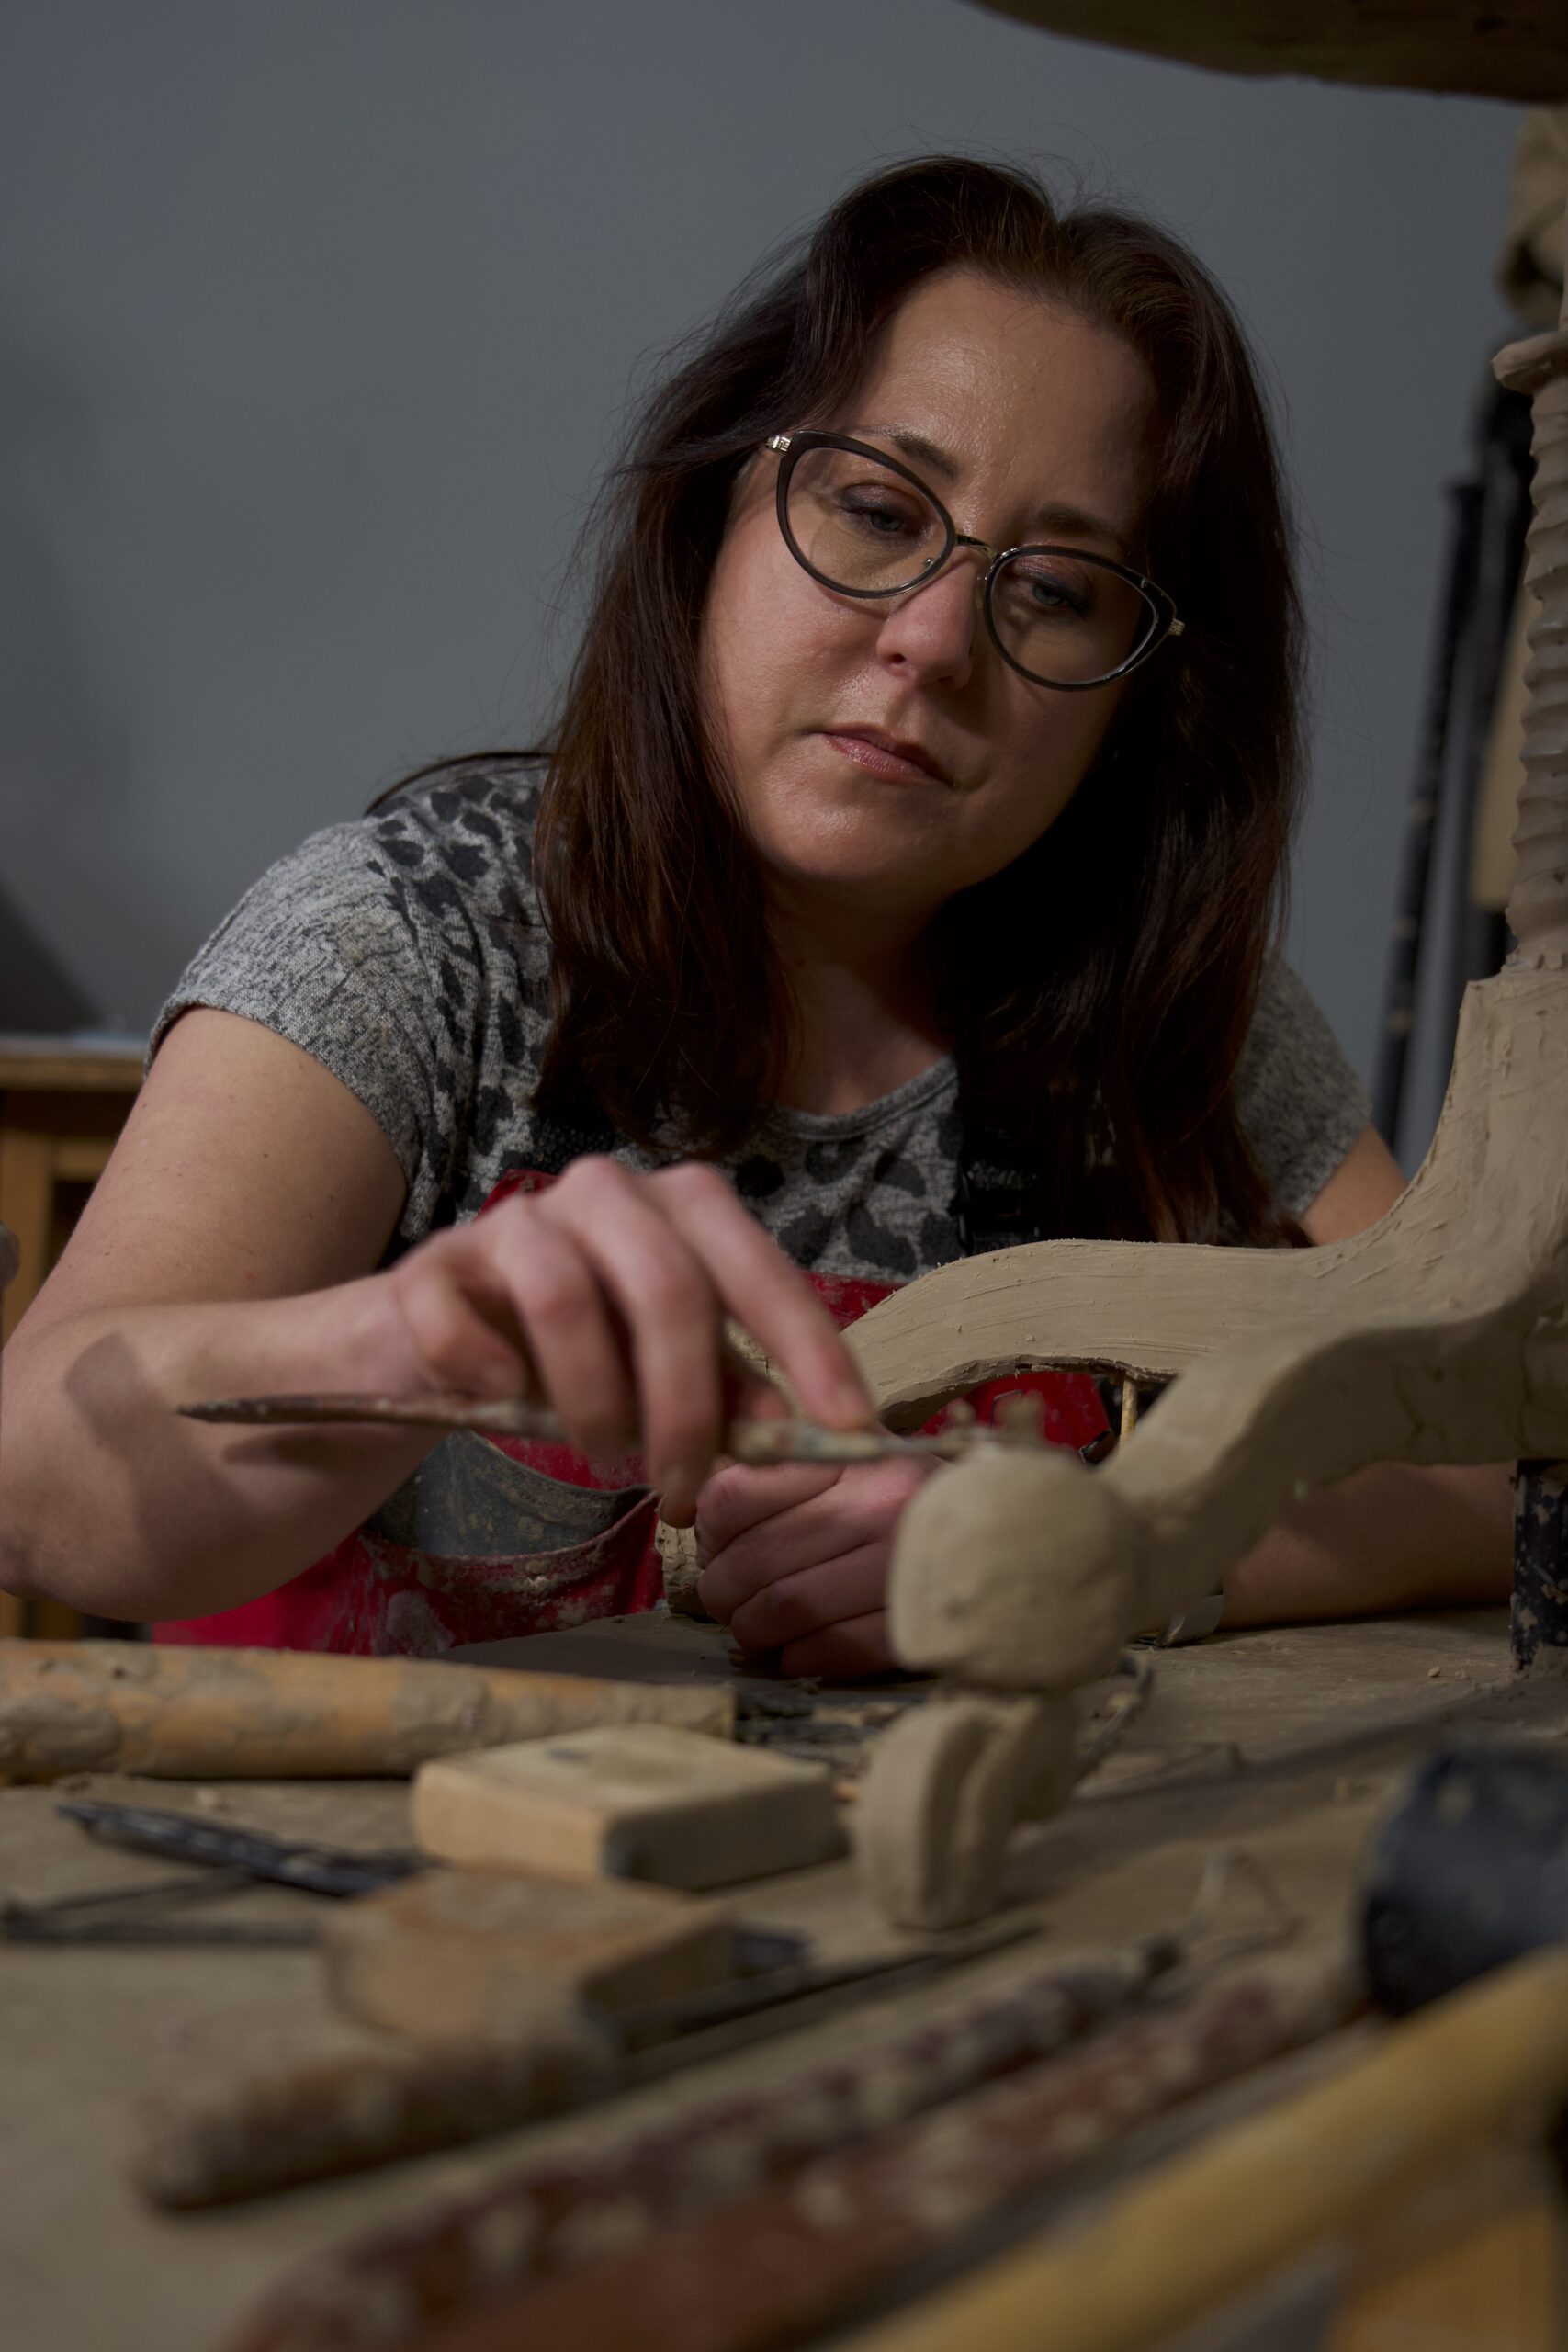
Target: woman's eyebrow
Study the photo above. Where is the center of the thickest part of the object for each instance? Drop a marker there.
(1080, 523)
(1055, 515)
(915, 444)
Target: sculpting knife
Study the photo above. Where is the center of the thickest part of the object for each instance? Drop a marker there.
(754, 1442)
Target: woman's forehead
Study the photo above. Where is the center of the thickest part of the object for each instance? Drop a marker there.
(972, 381)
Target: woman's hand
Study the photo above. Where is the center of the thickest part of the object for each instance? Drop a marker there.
(605, 1296)
(796, 1559)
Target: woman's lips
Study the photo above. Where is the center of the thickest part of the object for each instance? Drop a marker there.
(878, 753)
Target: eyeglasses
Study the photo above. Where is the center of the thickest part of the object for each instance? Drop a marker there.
(864, 526)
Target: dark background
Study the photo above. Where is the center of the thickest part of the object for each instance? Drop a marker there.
(318, 318)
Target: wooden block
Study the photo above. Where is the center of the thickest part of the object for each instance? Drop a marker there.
(478, 1951)
(628, 1801)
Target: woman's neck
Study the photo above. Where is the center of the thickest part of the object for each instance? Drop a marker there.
(865, 1012)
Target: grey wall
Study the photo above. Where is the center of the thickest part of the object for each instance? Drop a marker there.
(317, 317)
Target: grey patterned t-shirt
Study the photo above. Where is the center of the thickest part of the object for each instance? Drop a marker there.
(407, 952)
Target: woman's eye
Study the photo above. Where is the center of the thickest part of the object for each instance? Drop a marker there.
(879, 516)
(1051, 590)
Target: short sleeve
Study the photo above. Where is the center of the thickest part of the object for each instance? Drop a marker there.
(406, 952)
(1300, 1102)
(321, 951)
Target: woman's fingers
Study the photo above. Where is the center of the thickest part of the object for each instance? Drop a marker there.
(767, 1294)
(573, 1340)
(456, 1318)
(663, 1295)
(798, 1607)
(861, 1506)
(608, 1294)
(852, 1652)
(739, 1496)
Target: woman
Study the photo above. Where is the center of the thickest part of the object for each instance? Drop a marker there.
(911, 851)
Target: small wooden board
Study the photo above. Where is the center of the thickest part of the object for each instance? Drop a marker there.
(461, 1952)
(641, 1800)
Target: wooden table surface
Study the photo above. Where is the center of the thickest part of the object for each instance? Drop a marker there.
(1290, 1744)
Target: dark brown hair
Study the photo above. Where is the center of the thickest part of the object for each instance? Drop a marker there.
(1099, 989)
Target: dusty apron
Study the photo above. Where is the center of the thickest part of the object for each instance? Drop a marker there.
(494, 1537)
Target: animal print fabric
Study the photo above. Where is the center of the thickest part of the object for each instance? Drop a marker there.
(407, 952)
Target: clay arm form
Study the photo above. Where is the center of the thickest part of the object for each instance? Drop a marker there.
(1229, 1449)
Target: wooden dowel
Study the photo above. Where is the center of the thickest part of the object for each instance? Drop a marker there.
(180, 1713)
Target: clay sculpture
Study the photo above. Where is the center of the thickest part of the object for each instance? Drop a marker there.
(1440, 1335)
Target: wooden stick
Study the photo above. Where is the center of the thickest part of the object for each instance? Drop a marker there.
(1129, 1408)
(176, 1713)
(1203, 2229)
(341, 2114)
(786, 2261)
(884, 2067)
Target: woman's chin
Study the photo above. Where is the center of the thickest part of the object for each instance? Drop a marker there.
(883, 873)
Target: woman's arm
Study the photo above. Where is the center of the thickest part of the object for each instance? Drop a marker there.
(1392, 1536)
(245, 1174)
(230, 1248)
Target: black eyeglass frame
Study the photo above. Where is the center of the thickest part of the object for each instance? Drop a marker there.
(1164, 622)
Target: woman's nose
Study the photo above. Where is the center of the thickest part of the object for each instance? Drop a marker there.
(931, 631)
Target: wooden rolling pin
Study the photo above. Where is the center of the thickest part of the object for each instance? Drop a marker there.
(187, 1714)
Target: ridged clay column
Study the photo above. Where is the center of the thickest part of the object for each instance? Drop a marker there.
(1537, 907)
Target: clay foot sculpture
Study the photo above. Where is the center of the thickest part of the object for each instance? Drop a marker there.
(1438, 1336)
(945, 1786)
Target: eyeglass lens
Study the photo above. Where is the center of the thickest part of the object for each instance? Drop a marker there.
(1067, 620)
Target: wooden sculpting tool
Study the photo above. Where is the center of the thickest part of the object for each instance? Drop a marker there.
(350, 2112)
(755, 1442)
(174, 1713)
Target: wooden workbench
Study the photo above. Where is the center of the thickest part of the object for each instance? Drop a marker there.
(1287, 1743)
(64, 1101)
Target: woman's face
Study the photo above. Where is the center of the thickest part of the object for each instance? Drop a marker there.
(885, 754)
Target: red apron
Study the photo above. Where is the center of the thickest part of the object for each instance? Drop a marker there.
(494, 1537)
